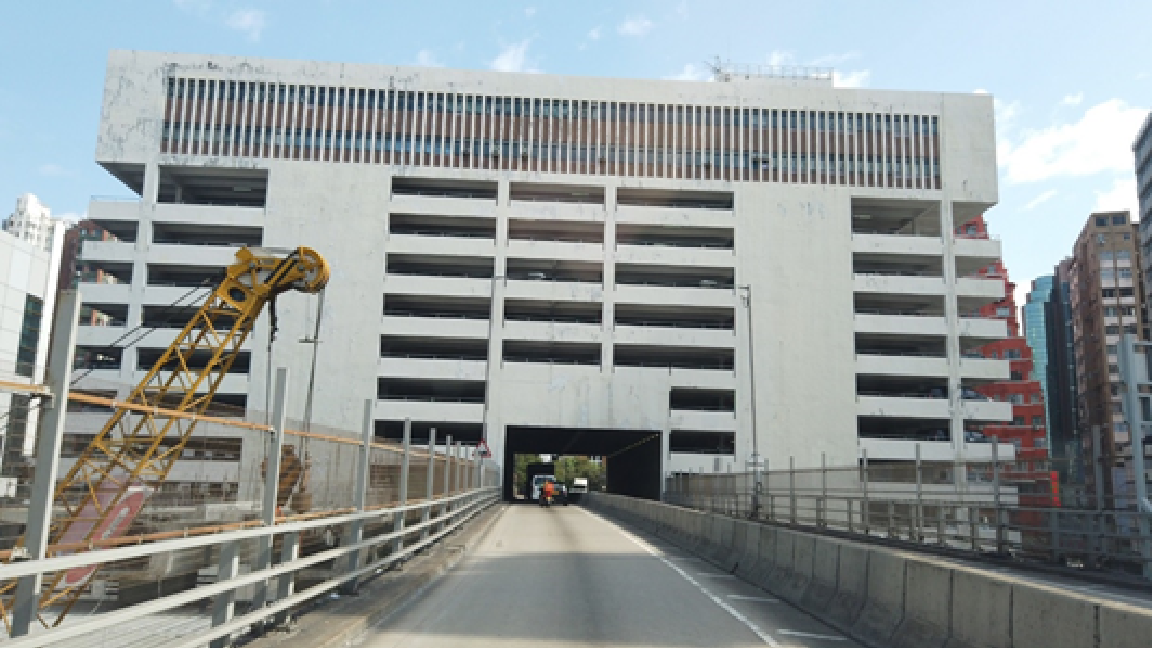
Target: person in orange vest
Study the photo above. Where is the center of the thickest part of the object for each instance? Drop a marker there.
(548, 491)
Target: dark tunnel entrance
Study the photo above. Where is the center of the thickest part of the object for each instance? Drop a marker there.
(632, 458)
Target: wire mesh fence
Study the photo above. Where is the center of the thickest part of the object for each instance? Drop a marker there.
(1012, 508)
(205, 475)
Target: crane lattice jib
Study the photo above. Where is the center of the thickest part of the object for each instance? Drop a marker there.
(133, 453)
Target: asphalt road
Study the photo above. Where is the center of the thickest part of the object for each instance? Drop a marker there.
(565, 577)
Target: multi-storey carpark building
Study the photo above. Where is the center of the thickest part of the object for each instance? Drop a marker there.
(575, 265)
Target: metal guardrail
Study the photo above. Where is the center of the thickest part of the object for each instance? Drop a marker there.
(275, 581)
(1007, 508)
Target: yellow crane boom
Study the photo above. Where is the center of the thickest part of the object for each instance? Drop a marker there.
(135, 450)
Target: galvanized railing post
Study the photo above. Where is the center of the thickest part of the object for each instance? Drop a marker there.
(974, 527)
(792, 489)
(224, 604)
(459, 476)
(263, 557)
(429, 484)
(919, 534)
(448, 467)
(51, 436)
(1000, 539)
(823, 513)
(289, 552)
(405, 462)
(864, 506)
(360, 490)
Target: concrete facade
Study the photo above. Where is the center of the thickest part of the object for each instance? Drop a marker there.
(585, 253)
(28, 278)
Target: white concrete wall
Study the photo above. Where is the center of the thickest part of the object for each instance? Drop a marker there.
(793, 253)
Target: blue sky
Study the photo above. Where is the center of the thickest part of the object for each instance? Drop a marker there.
(1072, 80)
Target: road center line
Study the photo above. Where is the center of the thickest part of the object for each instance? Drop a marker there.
(764, 636)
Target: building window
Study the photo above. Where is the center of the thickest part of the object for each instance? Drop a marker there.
(1017, 420)
(29, 336)
(1035, 398)
(1016, 399)
(1127, 236)
(1118, 220)
(1037, 420)
(1111, 330)
(1002, 312)
(1101, 221)
(1016, 375)
(1111, 349)
(1012, 354)
(1113, 369)
(1124, 273)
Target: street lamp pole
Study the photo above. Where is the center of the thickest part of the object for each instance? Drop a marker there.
(757, 464)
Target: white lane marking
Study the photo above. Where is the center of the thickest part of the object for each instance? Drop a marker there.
(809, 635)
(762, 599)
(764, 636)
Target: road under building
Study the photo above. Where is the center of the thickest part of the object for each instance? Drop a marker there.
(632, 458)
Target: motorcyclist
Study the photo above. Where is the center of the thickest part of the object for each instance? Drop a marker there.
(546, 493)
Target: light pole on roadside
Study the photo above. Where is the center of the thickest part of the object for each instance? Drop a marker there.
(756, 463)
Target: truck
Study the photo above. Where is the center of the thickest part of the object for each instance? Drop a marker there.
(579, 489)
(535, 474)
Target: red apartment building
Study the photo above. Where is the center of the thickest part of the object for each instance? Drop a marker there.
(1027, 431)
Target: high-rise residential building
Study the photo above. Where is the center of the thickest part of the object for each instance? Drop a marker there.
(1027, 430)
(28, 276)
(1142, 148)
(33, 222)
(582, 265)
(1107, 301)
(1036, 332)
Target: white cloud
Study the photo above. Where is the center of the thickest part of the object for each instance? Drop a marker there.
(782, 57)
(690, 73)
(248, 21)
(530, 11)
(52, 170)
(1101, 141)
(853, 79)
(1072, 100)
(596, 32)
(634, 26)
(427, 58)
(1040, 200)
(1121, 196)
(682, 9)
(514, 58)
(980, 91)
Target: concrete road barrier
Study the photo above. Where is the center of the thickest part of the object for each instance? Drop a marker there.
(738, 546)
(749, 560)
(1045, 617)
(803, 548)
(817, 598)
(782, 556)
(884, 606)
(981, 610)
(851, 587)
(765, 556)
(927, 605)
(1124, 626)
(885, 597)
